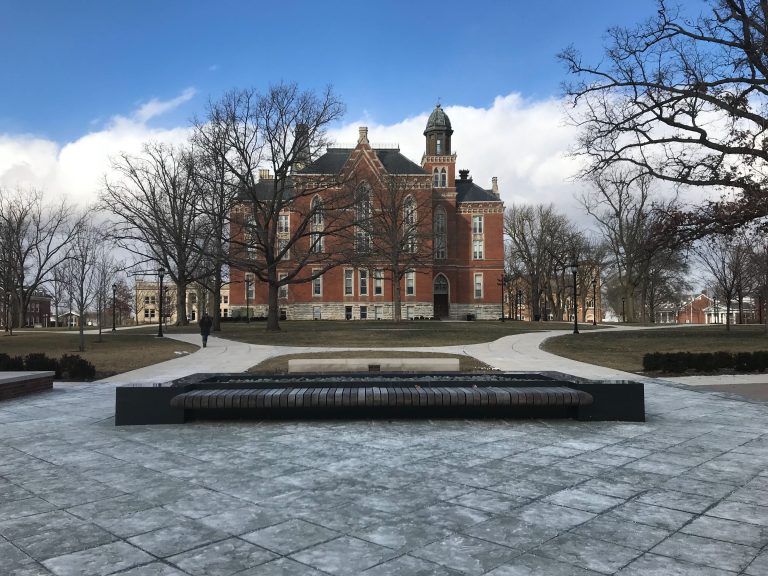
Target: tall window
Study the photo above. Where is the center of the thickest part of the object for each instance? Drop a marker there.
(477, 237)
(378, 282)
(443, 178)
(439, 229)
(478, 285)
(317, 285)
(316, 226)
(439, 147)
(477, 248)
(410, 283)
(250, 288)
(349, 287)
(282, 224)
(363, 277)
(364, 213)
(409, 224)
(282, 291)
(435, 178)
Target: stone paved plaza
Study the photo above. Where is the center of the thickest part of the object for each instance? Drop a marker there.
(684, 493)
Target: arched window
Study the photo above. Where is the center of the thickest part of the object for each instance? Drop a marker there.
(317, 211)
(435, 178)
(440, 285)
(316, 225)
(409, 224)
(443, 178)
(363, 214)
(440, 232)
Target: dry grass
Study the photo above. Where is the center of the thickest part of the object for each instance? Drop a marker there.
(279, 364)
(625, 350)
(116, 353)
(373, 333)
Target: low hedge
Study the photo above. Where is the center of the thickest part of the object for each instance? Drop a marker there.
(679, 362)
(68, 367)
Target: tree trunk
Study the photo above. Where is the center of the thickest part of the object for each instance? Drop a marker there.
(396, 315)
(217, 283)
(181, 304)
(273, 314)
(728, 315)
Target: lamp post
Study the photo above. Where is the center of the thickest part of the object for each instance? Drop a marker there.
(623, 316)
(160, 274)
(574, 266)
(114, 297)
(247, 299)
(594, 301)
(519, 304)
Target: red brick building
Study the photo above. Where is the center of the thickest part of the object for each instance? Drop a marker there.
(466, 240)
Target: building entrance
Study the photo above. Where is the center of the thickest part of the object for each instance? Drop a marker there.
(441, 303)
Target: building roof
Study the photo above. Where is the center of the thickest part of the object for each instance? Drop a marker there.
(468, 191)
(334, 159)
(438, 120)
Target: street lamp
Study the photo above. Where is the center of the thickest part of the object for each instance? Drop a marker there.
(114, 295)
(574, 266)
(519, 304)
(623, 316)
(594, 301)
(160, 274)
(247, 299)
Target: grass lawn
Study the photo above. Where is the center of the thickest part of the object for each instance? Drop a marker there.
(279, 364)
(371, 333)
(625, 350)
(118, 352)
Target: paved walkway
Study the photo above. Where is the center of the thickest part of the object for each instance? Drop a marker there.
(683, 494)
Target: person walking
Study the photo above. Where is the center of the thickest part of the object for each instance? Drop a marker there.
(205, 328)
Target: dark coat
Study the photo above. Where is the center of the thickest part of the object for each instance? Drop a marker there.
(205, 325)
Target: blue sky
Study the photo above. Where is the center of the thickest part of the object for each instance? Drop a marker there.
(68, 67)
(81, 82)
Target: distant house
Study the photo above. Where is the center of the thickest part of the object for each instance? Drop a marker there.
(707, 310)
(38, 312)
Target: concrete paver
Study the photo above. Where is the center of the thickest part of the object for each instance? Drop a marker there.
(682, 493)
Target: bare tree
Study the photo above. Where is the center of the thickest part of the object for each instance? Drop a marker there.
(80, 270)
(160, 219)
(621, 204)
(394, 223)
(725, 258)
(683, 99)
(282, 223)
(35, 240)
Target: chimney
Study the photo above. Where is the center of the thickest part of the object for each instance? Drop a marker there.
(264, 174)
(495, 185)
(463, 174)
(363, 137)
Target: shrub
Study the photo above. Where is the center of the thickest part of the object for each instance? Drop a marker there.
(75, 367)
(11, 363)
(37, 361)
(723, 360)
(678, 362)
(652, 362)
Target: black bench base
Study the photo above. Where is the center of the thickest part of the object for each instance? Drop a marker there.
(366, 395)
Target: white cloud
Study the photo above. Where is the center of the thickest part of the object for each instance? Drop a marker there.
(523, 142)
(76, 169)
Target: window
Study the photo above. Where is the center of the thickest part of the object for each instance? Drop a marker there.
(225, 313)
(478, 285)
(439, 147)
(316, 225)
(349, 283)
(410, 283)
(146, 299)
(378, 312)
(409, 312)
(364, 213)
(146, 313)
(250, 289)
(282, 224)
(409, 224)
(193, 297)
(317, 286)
(317, 211)
(225, 299)
(363, 276)
(439, 230)
(363, 312)
(443, 178)
(282, 290)
(477, 248)
(282, 248)
(378, 282)
(477, 224)
(317, 313)
(347, 312)
(435, 178)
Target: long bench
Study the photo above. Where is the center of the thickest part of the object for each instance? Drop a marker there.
(374, 395)
(394, 364)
